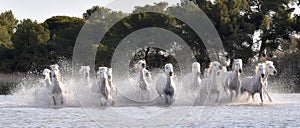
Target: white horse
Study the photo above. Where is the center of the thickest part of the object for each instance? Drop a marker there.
(55, 71)
(270, 70)
(47, 78)
(165, 85)
(254, 84)
(56, 87)
(85, 75)
(211, 84)
(231, 79)
(110, 82)
(143, 80)
(104, 88)
(193, 80)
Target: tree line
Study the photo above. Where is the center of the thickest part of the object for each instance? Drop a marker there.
(26, 45)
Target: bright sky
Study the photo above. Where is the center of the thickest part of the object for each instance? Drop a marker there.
(41, 10)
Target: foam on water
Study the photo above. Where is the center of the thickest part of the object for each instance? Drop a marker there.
(32, 91)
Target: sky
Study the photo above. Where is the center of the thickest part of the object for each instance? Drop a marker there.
(41, 10)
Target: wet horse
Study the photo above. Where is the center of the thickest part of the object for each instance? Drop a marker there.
(192, 80)
(254, 84)
(211, 84)
(165, 85)
(56, 87)
(231, 79)
(142, 81)
(104, 88)
(47, 78)
(270, 70)
(110, 82)
(85, 75)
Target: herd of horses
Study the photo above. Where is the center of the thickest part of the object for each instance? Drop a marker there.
(214, 81)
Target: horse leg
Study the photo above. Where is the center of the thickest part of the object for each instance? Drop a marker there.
(61, 100)
(102, 103)
(231, 95)
(248, 97)
(266, 92)
(168, 99)
(148, 95)
(141, 95)
(237, 94)
(261, 97)
(54, 101)
(111, 100)
(253, 98)
(218, 96)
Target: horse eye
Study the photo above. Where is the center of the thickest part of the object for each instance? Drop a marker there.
(270, 67)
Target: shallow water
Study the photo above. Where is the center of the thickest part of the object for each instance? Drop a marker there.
(282, 112)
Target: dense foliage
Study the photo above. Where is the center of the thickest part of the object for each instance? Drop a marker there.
(26, 45)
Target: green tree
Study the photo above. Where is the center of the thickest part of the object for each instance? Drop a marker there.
(276, 23)
(5, 38)
(8, 20)
(63, 34)
(7, 26)
(30, 40)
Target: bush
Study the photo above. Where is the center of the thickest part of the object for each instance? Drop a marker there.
(288, 67)
(5, 88)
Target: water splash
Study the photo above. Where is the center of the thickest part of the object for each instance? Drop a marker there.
(32, 90)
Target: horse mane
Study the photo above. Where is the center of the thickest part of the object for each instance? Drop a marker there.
(236, 61)
(269, 63)
(102, 68)
(259, 65)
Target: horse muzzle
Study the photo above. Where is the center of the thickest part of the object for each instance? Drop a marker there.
(262, 75)
(275, 72)
(171, 73)
(220, 67)
(198, 73)
(240, 71)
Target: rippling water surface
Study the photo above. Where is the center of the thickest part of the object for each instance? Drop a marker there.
(15, 111)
